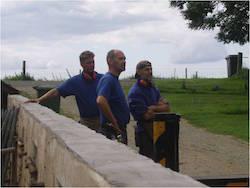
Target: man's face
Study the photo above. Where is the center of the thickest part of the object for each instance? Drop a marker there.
(88, 65)
(146, 73)
(119, 61)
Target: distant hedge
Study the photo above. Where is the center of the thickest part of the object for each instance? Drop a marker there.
(20, 77)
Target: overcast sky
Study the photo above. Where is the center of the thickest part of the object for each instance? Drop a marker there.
(50, 35)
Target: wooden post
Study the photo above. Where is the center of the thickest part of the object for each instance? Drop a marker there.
(239, 62)
(186, 73)
(24, 69)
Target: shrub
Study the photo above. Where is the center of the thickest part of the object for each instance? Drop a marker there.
(19, 77)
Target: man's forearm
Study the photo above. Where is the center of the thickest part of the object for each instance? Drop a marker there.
(160, 108)
(105, 108)
(50, 94)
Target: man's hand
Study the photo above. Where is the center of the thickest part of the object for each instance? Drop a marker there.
(103, 104)
(149, 114)
(152, 108)
(116, 127)
(165, 106)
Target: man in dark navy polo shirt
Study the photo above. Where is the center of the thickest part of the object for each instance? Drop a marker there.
(144, 101)
(83, 87)
(114, 111)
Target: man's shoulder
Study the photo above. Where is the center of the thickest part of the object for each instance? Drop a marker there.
(99, 75)
(107, 77)
(156, 89)
(73, 79)
(76, 77)
(135, 90)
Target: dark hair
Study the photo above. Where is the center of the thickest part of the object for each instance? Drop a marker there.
(85, 55)
(141, 65)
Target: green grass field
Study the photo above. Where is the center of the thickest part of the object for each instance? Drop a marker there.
(218, 105)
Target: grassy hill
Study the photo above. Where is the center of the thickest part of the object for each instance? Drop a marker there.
(218, 105)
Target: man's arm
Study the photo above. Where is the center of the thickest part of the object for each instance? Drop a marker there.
(162, 106)
(50, 94)
(106, 110)
(149, 114)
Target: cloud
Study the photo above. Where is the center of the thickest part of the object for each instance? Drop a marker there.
(194, 46)
(50, 35)
(53, 20)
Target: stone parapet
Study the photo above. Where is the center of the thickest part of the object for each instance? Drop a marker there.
(54, 150)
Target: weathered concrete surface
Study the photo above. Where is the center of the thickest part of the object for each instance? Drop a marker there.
(65, 153)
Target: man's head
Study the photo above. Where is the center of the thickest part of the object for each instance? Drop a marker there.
(144, 70)
(116, 61)
(87, 61)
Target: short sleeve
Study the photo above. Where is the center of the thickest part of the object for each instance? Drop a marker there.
(137, 105)
(67, 88)
(104, 87)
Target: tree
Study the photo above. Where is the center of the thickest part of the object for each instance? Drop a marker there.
(231, 17)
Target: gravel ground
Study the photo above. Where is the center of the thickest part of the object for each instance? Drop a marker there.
(206, 154)
(201, 153)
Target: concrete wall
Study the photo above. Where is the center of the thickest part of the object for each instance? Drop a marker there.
(57, 151)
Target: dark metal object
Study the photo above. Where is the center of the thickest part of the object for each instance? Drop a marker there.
(233, 181)
(53, 103)
(5, 91)
(166, 146)
(8, 145)
(234, 64)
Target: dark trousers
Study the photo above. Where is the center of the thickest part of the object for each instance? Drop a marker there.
(145, 144)
(110, 133)
(92, 123)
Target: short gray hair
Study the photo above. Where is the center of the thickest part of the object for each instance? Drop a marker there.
(111, 54)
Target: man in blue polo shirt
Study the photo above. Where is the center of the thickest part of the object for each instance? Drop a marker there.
(83, 87)
(144, 101)
(114, 111)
